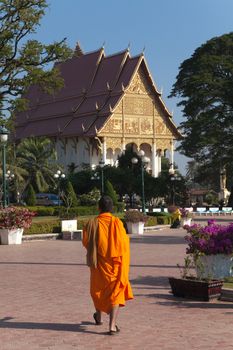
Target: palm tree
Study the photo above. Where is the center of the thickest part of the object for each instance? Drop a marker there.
(37, 157)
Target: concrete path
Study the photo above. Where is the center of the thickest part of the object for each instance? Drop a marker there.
(45, 302)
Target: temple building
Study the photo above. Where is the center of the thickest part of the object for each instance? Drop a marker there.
(107, 104)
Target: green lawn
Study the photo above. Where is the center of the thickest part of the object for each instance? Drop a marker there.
(228, 282)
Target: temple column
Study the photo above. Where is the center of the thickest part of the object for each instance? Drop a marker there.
(172, 155)
(159, 162)
(104, 151)
(153, 160)
(122, 145)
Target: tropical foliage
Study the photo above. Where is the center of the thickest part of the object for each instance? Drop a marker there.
(205, 86)
(23, 63)
(37, 157)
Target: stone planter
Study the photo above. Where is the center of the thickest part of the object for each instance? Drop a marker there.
(215, 266)
(186, 221)
(137, 227)
(68, 225)
(193, 288)
(13, 236)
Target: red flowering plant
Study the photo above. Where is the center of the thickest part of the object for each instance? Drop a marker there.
(15, 217)
(209, 240)
(135, 216)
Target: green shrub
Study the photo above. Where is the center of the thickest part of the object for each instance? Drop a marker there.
(152, 221)
(77, 211)
(30, 198)
(109, 191)
(69, 197)
(119, 207)
(42, 211)
(164, 220)
(44, 227)
(159, 214)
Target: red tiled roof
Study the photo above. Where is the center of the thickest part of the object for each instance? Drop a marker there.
(93, 85)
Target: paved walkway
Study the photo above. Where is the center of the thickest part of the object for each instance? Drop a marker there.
(45, 303)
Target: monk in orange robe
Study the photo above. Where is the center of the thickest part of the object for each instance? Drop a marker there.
(107, 247)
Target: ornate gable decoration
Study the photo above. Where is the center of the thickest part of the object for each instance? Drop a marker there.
(139, 85)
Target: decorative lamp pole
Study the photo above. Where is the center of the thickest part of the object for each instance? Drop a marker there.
(144, 161)
(173, 177)
(58, 176)
(102, 164)
(9, 177)
(3, 139)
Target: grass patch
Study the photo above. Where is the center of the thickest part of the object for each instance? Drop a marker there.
(228, 282)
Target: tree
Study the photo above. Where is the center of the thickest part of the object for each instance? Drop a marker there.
(205, 85)
(69, 196)
(23, 63)
(30, 198)
(37, 157)
(109, 191)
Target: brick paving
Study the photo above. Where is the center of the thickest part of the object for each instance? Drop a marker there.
(45, 302)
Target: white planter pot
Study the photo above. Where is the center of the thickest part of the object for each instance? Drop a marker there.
(13, 236)
(215, 266)
(186, 221)
(137, 227)
(69, 225)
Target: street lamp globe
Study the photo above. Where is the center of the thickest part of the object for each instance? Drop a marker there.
(141, 153)
(3, 134)
(134, 160)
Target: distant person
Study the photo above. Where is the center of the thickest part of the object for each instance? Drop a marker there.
(108, 254)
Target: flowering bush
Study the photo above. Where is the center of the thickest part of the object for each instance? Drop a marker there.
(15, 217)
(210, 239)
(135, 216)
(185, 213)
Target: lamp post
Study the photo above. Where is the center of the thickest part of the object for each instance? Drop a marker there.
(9, 177)
(58, 176)
(102, 164)
(144, 161)
(173, 177)
(3, 139)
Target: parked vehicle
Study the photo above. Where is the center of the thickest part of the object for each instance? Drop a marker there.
(48, 199)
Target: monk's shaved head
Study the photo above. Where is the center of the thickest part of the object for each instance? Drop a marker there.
(105, 204)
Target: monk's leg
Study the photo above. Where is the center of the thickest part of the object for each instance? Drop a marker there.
(98, 316)
(113, 317)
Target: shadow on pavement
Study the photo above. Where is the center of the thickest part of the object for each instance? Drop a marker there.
(66, 327)
(150, 281)
(157, 239)
(39, 263)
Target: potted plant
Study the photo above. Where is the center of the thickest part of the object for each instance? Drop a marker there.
(135, 221)
(193, 287)
(213, 246)
(13, 220)
(209, 255)
(186, 216)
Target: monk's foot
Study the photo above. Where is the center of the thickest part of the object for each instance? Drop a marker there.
(97, 319)
(114, 331)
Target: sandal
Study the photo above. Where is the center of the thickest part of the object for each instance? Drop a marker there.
(97, 322)
(114, 332)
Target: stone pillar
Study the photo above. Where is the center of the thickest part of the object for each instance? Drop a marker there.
(104, 151)
(154, 168)
(172, 155)
(159, 162)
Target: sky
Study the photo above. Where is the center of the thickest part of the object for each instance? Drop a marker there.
(168, 31)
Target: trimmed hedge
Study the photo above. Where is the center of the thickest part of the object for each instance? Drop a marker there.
(42, 211)
(44, 227)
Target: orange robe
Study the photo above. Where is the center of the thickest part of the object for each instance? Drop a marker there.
(109, 283)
